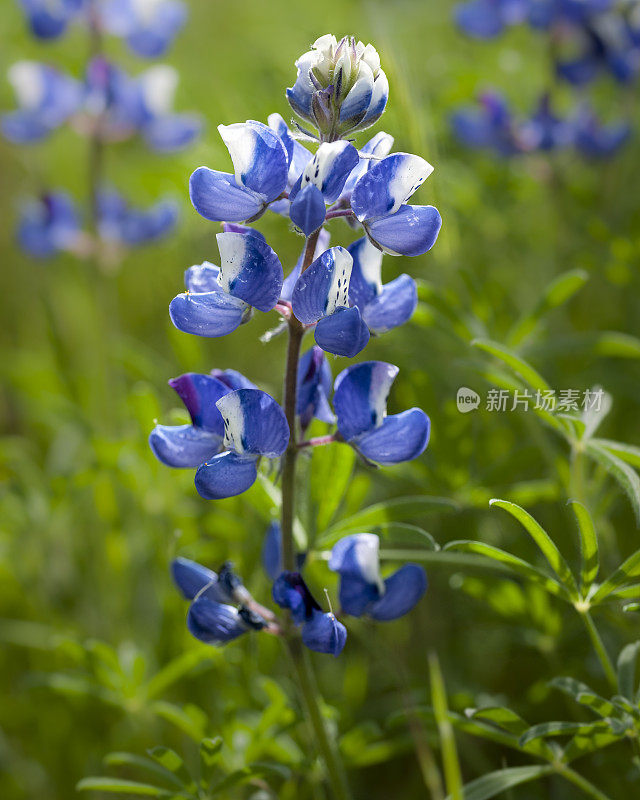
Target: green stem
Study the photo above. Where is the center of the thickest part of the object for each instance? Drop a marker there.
(601, 650)
(582, 783)
(302, 666)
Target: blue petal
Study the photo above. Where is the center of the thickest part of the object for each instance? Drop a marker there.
(411, 231)
(365, 283)
(183, 445)
(290, 591)
(343, 333)
(360, 398)
(202, 278)
(290, 281)
(226, 475)
(323, 287)
(393, 306)
(378, 101)
(200, 393)
(307, 210)
(192, 578)
(355, 558)
(297, 154)
(300, 94)
(250, 270)
(473, 128)
(329, 169)
(379, 145)
(217, 197)
(24, 127)
(357, 102)
(259, 158)
(356, 595)
(48, 225)
(214, 623)
(210, 314)
(480, 18)
(254, 423)
(401, 437)
(172, 132)
(388, 184)
(232, 379)
(272, 551)
(323, 633)
(403, 590)
(313, 388)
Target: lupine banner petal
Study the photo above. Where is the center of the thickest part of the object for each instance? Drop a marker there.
(200, 393)
(360, 397)
(388, 184)
(254, 423)
(250, 270)
(323, 287)
(259, 157)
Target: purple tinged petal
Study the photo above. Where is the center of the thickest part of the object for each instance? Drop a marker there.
(250, 269)
(401, 437)
(307, 210)
(226, 475)
(200, 393)
(214, 623)
(183, 446)
(403, 590)
(360, 397)
(209, 314)
(393, 306)
(254, 423)
(388, 184)
(217, 197)
(343, 333)
(259, 158)
(323, 633)
(411, 231)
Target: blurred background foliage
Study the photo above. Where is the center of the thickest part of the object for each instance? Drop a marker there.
(90, 520)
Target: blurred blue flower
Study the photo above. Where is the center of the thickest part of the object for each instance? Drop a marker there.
(321, 298)
(148, 26)
(360, 403)
(545, 14)
(383, 306)
(254, 426)
(321, 631)
(340, 87)
(191, 445)
(119, 222)
(313, 388)
(221, 609)
(272, 552)
(46, 99)
(49, 225)
(219, 299)
(49, 19)
(379, 200)
(490, 126)
(363, 591)
(594, 139)
(485, 19)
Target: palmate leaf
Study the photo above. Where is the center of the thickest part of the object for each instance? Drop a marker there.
(626, 573)
(495, 783)
(626, 477)
(545, 729)
(590, 560)
(589, 739)
(512, 563)
(507, 720)
(558, 292)
(453, 776)
(545, 543)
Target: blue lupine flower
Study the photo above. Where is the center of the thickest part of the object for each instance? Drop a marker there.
(321, 631)
(46, 99)
(212, 618)
(218, 300)
(340, 87)
(485, 19)
(490, 126)
(545, 14)
(254, 426)
(119, 222)
(383, 307)
(321, 297)
(272, 552)
(360, 403)
(363, 591)
(324, 237)
(49, 225)
(321, 183)
(191, 445)
(596, 140)
(261, 165)
(375, 149)
(313, 388)
(49, 19)
(297, 155)
(148, 26)
(379, 202)
(163, 129)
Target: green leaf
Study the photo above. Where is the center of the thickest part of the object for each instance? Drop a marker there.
(331, 469)
(119, 786)
(627, 661)
(509, 721)
(545, 729)
(210, 751)
(590, 560)
(514, 361)
(543, 540)
(591, 738)
(620, 471)
(453, 776)
(556, 294)
(627, 452)
(120, 759)
(570, 686)
(625, 573)
(190, 719)
(231, 780)
(178, 668)
(513, 563)
(174, 764)
(495, 783)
